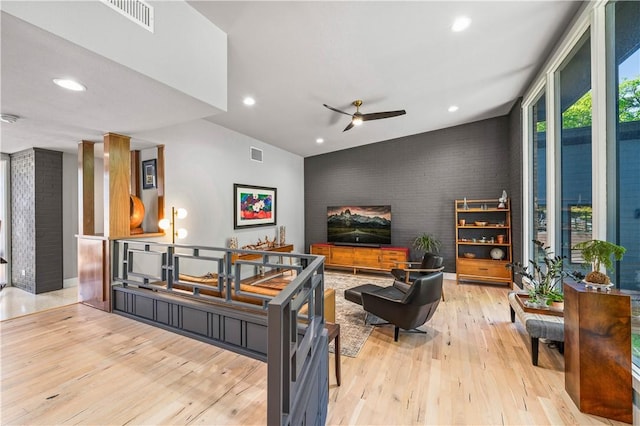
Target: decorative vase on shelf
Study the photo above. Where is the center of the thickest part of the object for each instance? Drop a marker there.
(465, 206)
(502, 201)
(233, 243)
(283, 237)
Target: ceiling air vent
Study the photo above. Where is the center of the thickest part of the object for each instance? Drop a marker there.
(138, 11)
(256, 154)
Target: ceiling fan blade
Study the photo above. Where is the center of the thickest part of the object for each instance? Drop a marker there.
(349, 126)
(379, 115)
(336, 110)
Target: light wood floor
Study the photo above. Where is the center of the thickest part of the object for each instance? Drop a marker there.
(78, 365)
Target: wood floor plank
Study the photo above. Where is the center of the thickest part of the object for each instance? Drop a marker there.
(79, 365)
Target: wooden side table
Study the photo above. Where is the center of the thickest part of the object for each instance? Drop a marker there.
(334, 334)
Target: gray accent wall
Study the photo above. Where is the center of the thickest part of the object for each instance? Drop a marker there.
(420, 176)
(36, 220)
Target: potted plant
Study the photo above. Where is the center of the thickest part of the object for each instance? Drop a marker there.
(427, 243)
(598, 253)
(545, 277)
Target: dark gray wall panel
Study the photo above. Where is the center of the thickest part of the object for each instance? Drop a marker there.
(162, 312)
(233, 331)
(420, 176)
(144, 307)
(194, 320)
(257, 337)
(36, 220)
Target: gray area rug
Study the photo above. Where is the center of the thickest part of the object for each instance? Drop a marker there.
(353, 331)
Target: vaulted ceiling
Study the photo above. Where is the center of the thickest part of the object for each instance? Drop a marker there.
(292, 57)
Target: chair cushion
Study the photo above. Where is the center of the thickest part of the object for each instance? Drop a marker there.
(390, 293)
(401, 285)
(355, 294)
(431, 261)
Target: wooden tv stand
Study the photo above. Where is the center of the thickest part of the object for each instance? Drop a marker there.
(375, 259)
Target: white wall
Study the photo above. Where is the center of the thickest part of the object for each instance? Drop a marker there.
(197, 48)
(204, 160)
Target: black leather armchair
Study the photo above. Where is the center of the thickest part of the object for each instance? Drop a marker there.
(410, 271)
(406, 309)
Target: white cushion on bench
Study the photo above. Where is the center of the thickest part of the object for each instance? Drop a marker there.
(538, 325)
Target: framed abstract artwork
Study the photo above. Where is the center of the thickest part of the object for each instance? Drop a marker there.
(149, 174)
(253, 206)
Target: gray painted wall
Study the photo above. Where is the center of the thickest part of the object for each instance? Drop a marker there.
(420, 176)
(36, 220)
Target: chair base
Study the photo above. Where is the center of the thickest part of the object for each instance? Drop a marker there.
(396, 330)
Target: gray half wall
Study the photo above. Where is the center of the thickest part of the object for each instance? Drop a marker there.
(420, 176)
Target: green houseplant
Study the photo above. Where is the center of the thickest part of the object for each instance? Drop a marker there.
(545, 276)
(599, 253)
(427, 243)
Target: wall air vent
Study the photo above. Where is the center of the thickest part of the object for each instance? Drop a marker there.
(138, 11)
(256, 154)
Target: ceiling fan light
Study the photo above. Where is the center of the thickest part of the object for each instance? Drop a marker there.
(69, 84)
(356, 121)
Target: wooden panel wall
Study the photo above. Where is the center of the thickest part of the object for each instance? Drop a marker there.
(597, 337)
(117, 174)
(86, 191)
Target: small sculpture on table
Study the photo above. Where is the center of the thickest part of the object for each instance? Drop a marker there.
(261, 245)
(283, 233)
(502, 201)
(233, 242)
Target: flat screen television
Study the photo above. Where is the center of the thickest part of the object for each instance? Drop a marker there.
(359, 225)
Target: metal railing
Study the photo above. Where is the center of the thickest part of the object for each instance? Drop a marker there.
(296, 347)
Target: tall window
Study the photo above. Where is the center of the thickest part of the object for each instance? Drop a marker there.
(575, 152)
(623, 18)
(539, 167)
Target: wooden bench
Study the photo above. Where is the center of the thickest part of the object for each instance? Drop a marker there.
(538, 326)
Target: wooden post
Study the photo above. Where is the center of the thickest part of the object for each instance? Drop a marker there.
(160, 178)
(117, 174)
(135, 173)
(86, 191)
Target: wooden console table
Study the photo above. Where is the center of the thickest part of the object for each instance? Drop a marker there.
(372, 259)
(287, 248)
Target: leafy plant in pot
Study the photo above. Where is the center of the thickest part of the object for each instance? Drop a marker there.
(599, 254)
(427, 243)
(545, 277)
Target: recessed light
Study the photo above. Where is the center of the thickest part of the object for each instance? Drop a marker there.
(249, 101)
(69, 84)
(319, 140)
(461, 23)
(453, 108)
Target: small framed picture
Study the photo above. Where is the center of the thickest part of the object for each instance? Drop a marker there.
(149, 174)
(253, 206)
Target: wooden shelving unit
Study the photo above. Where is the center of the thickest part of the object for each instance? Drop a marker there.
(483, 241)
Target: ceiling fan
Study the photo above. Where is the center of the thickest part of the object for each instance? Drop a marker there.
(357, 118)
